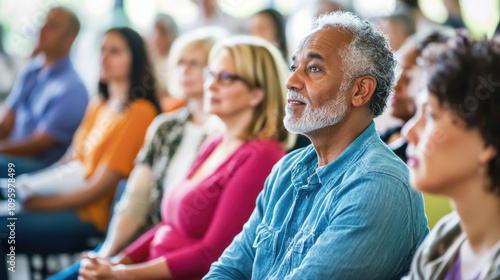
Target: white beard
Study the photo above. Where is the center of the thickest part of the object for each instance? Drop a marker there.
(330, 113)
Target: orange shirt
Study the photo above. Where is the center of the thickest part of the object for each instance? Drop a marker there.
(113, 139)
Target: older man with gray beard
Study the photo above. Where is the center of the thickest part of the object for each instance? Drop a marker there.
(341, 208)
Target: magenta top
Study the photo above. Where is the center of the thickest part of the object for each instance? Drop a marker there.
(200, 219)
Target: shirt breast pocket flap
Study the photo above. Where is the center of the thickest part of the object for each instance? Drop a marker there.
(264, 239)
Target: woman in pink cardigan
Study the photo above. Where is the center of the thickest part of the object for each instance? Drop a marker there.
(201, 216)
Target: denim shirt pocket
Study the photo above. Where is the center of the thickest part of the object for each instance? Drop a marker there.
(265, 248)
(303, 242)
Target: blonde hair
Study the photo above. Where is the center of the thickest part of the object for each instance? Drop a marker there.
(200, 39)
(260, 65)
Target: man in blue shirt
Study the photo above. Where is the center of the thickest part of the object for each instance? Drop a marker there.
(341, 208)
(48, 100)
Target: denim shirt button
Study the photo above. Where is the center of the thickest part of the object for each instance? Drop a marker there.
(307, 195)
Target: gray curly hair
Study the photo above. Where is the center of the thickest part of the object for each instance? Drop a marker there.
(368, 54)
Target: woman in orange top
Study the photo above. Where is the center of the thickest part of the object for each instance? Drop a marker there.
(105, 145)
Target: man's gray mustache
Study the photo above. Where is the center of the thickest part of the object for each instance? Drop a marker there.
(295, 95)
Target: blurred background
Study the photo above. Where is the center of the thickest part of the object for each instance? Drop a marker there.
(20, 21)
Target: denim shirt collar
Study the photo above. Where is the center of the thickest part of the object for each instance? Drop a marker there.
(330, 172)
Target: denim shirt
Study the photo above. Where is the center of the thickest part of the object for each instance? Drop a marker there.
(354, 218)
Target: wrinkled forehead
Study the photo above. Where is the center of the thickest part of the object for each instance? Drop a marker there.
(327, 43)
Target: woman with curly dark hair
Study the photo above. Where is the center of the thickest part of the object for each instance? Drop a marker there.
(454, 151)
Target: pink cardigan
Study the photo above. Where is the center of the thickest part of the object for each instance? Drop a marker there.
(199, 220)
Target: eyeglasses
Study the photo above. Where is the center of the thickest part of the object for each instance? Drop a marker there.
(222, 77)
(190, 63)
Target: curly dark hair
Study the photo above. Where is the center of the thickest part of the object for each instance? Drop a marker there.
(465, 77)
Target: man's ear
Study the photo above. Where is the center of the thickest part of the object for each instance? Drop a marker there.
(257, 97)
(363, 88)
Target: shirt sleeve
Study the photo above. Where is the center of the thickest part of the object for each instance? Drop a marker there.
(157, 131)
(64, 113)
(135, 201)
(15, 96)
(236, 262)
(440, 239)
(138, 251)
(233, 209)
(128, 139)
(368, 234)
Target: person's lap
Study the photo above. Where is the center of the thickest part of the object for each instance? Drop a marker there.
(47, 232)
(44, 233)
(71, 272)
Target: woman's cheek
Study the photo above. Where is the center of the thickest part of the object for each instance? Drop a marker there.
(430, 139)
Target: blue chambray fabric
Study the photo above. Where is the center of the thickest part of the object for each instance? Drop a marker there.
(355, 218)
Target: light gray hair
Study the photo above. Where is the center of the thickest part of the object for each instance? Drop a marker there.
(169, 23)
(368, 54)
